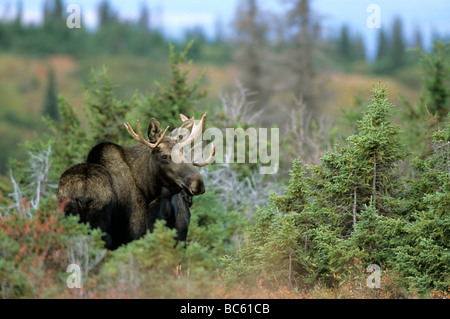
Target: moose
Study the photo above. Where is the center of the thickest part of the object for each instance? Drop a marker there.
(124, 190)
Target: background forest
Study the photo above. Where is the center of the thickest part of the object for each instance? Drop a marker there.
(364, 172)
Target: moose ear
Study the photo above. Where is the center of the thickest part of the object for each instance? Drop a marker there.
(154, 130)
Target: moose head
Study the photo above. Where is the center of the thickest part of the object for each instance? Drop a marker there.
(168, 157)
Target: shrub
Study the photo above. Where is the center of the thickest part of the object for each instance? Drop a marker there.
(155, 267)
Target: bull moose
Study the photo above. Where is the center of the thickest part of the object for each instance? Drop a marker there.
(123, 190)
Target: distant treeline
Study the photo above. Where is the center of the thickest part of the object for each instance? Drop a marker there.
(113, 35)
(275, 54)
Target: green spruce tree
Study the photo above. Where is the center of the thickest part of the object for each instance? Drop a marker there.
(177, 96)
(313, 231)
(423, 252)
(51, 97)
(436, 85)
(105, 112)
(382, 62)
(398, 46)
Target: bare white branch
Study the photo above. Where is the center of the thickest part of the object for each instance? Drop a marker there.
(237, 107)
(306, 141)
(236, 193)
(27, 199)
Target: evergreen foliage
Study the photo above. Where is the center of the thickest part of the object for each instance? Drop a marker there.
(113, 36)
(434, 101)
(398, 45)
(39, 242)
(334, 219)
(350, 48)
(436, 93)
(105, 112)
(51, 98)
(354, 207)
(391, 54)
(177, 96)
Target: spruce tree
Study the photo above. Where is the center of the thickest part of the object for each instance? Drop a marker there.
(344, 46)
(436, 93)
(302, 20)
(105, 112)
(422, 254)
(177, 96)
(251, 33)
(382, 59)
(379, 147)
(382, 47)
(51, 98)
(69, 140)
(398, 53)
(323, 212)
(363, 171)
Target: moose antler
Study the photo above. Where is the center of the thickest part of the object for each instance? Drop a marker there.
(184, 118)
(213, 152)
(196, 132)
(138, 137)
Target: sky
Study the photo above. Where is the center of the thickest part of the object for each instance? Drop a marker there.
(431, 16)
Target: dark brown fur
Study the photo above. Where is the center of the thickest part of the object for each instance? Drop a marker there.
(174, 210)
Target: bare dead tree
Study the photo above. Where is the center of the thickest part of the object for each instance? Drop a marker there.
(237, 193)
(305, 140)
(300, 16)
(251, 30)
(80, 253)
(28, 198)
(238, 107)
(295, 70)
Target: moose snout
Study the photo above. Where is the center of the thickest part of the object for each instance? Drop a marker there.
(196, 185)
